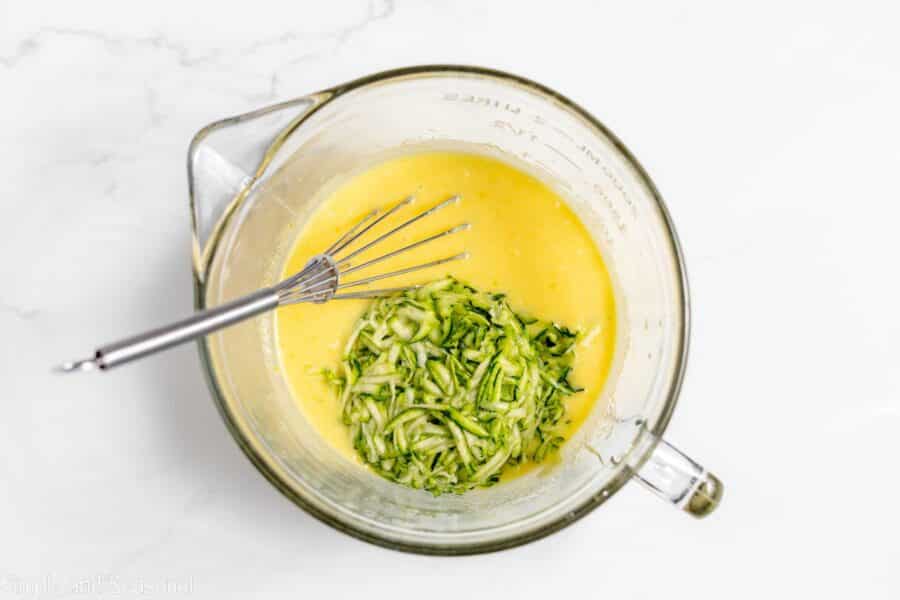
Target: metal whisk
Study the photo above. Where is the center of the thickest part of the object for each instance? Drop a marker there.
(320, 280)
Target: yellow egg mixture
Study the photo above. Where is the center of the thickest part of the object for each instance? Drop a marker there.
(524, 241)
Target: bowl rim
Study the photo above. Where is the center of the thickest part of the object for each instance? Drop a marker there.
(200, 272)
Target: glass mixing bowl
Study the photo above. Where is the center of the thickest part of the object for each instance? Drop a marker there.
(254, 180)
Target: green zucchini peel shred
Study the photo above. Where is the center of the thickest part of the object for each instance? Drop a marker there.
(443, 387)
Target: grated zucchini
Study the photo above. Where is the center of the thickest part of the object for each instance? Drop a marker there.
(444, 386)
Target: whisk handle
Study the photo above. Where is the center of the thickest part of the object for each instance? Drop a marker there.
(197, 325)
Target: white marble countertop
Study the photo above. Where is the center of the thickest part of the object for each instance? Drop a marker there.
(771, 129)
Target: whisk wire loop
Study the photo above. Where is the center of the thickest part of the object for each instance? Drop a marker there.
(323, 276)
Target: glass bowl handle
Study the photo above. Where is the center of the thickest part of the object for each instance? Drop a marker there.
(675, 477)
